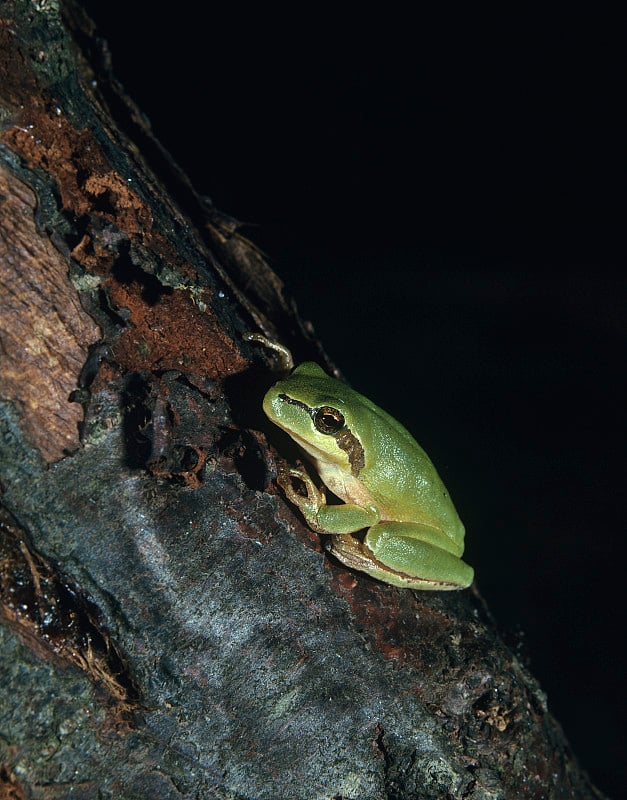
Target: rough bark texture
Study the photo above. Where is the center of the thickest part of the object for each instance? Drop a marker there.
(170, 628)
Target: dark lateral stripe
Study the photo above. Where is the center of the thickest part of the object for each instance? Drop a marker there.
(345, 439)
(352, 447)
(287, 399)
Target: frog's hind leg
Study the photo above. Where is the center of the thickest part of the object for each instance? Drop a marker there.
(418, 554)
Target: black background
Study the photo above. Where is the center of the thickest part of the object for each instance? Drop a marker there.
(442, 198)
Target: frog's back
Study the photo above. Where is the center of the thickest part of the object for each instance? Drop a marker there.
(407, 485)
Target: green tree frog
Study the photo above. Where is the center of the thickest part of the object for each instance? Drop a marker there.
(391, 490)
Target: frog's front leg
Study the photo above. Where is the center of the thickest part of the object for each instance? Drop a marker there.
(323, 518)
(405, 554)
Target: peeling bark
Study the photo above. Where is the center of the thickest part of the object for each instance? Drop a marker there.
(171, 628)
(45, 333)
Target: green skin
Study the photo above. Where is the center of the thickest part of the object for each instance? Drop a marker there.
(414, 537)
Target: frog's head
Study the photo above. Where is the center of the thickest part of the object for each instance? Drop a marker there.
(321, 415)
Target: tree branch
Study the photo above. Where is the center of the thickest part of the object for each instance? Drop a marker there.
(172, 628)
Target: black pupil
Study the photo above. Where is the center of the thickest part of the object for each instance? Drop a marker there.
(329, 420)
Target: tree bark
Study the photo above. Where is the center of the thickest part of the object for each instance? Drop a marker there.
(171, 628)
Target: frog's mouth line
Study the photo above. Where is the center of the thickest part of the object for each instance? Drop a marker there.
(311, 450)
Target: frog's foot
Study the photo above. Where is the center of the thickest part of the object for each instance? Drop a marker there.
(310, 504)
(286, 362)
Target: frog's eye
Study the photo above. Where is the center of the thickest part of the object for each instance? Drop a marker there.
(328, 420)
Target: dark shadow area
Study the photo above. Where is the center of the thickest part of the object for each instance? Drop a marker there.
(138, 399)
